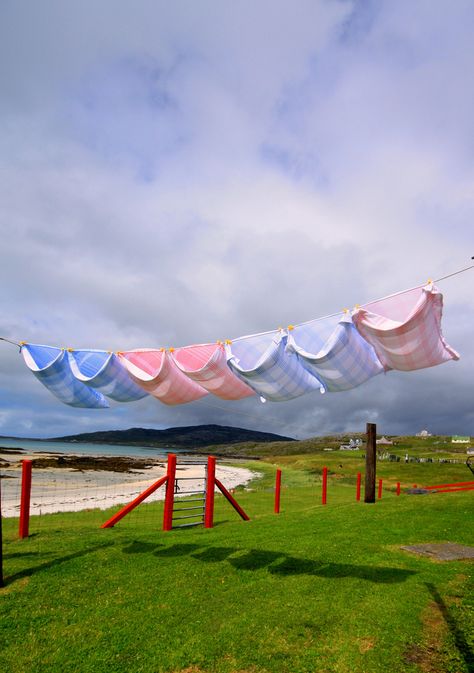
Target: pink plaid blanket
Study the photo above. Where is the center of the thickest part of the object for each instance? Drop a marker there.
(156, 372)
(207, 365)
(405, 330)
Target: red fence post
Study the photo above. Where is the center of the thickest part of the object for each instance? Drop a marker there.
(380, 489)
(169, 496)
(325, 485)
(210, 488)
(359, 476)
(23, 530)
(398, 488)
(277, 491)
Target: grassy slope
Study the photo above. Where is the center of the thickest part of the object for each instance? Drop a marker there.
(315, 589)
(436, 446)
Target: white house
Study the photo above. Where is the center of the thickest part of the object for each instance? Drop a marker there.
(383, 440)
(423, 434)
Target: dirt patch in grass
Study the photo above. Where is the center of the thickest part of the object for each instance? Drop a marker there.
(365, 644)
(435, 630)
(444, 644)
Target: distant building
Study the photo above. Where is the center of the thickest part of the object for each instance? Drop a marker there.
(352, 446)
(470, 452)
(423, 434)
(459, 439)
(384, 440)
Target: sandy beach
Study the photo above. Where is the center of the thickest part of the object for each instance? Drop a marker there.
(87, 486)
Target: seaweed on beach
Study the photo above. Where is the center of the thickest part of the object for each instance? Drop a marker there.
(103, 463)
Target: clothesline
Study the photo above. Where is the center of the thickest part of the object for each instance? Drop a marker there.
(326, 317)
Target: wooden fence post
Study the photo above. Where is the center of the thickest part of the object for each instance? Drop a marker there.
(370, 463)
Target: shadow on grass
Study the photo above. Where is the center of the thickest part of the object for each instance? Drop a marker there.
(176, 550)
(54, 562)
(215, 554)
(459, 638)
(276, 563)
(21, 554)
(137, 547)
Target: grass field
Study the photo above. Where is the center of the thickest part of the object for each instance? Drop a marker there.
(315, 589)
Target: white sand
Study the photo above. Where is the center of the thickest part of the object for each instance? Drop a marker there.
(70, 490)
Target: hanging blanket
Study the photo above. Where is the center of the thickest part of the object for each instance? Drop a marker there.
(155, 372)
(264, 364)
(103, 371)
(342, 361)
(206, 364)
(51, 367)
(405, 330)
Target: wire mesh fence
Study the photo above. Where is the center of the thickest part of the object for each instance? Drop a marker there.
(81, 499)
(84, 497)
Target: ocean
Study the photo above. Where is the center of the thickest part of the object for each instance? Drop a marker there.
(84, 449)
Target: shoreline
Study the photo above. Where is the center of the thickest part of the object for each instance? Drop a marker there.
(73, 483)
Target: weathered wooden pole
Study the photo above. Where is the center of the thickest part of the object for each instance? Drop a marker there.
(370, 463)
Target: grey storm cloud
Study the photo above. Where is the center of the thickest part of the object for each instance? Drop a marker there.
(180, 173)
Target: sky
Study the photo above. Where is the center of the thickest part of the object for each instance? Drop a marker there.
(178, 173)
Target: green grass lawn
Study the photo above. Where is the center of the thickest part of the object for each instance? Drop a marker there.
(315, 589)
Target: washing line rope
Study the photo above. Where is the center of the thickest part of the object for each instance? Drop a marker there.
(326, 317)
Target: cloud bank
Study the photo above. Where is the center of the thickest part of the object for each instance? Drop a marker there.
(179, 174)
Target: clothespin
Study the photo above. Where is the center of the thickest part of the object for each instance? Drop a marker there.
(345, 310)
(171, 349)
(69, 350)
(228, 342)
(290, 328)
(23, 343)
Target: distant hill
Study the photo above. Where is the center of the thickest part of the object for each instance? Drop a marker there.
(194, 436)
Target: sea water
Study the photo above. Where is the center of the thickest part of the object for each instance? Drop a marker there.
(84, 448)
